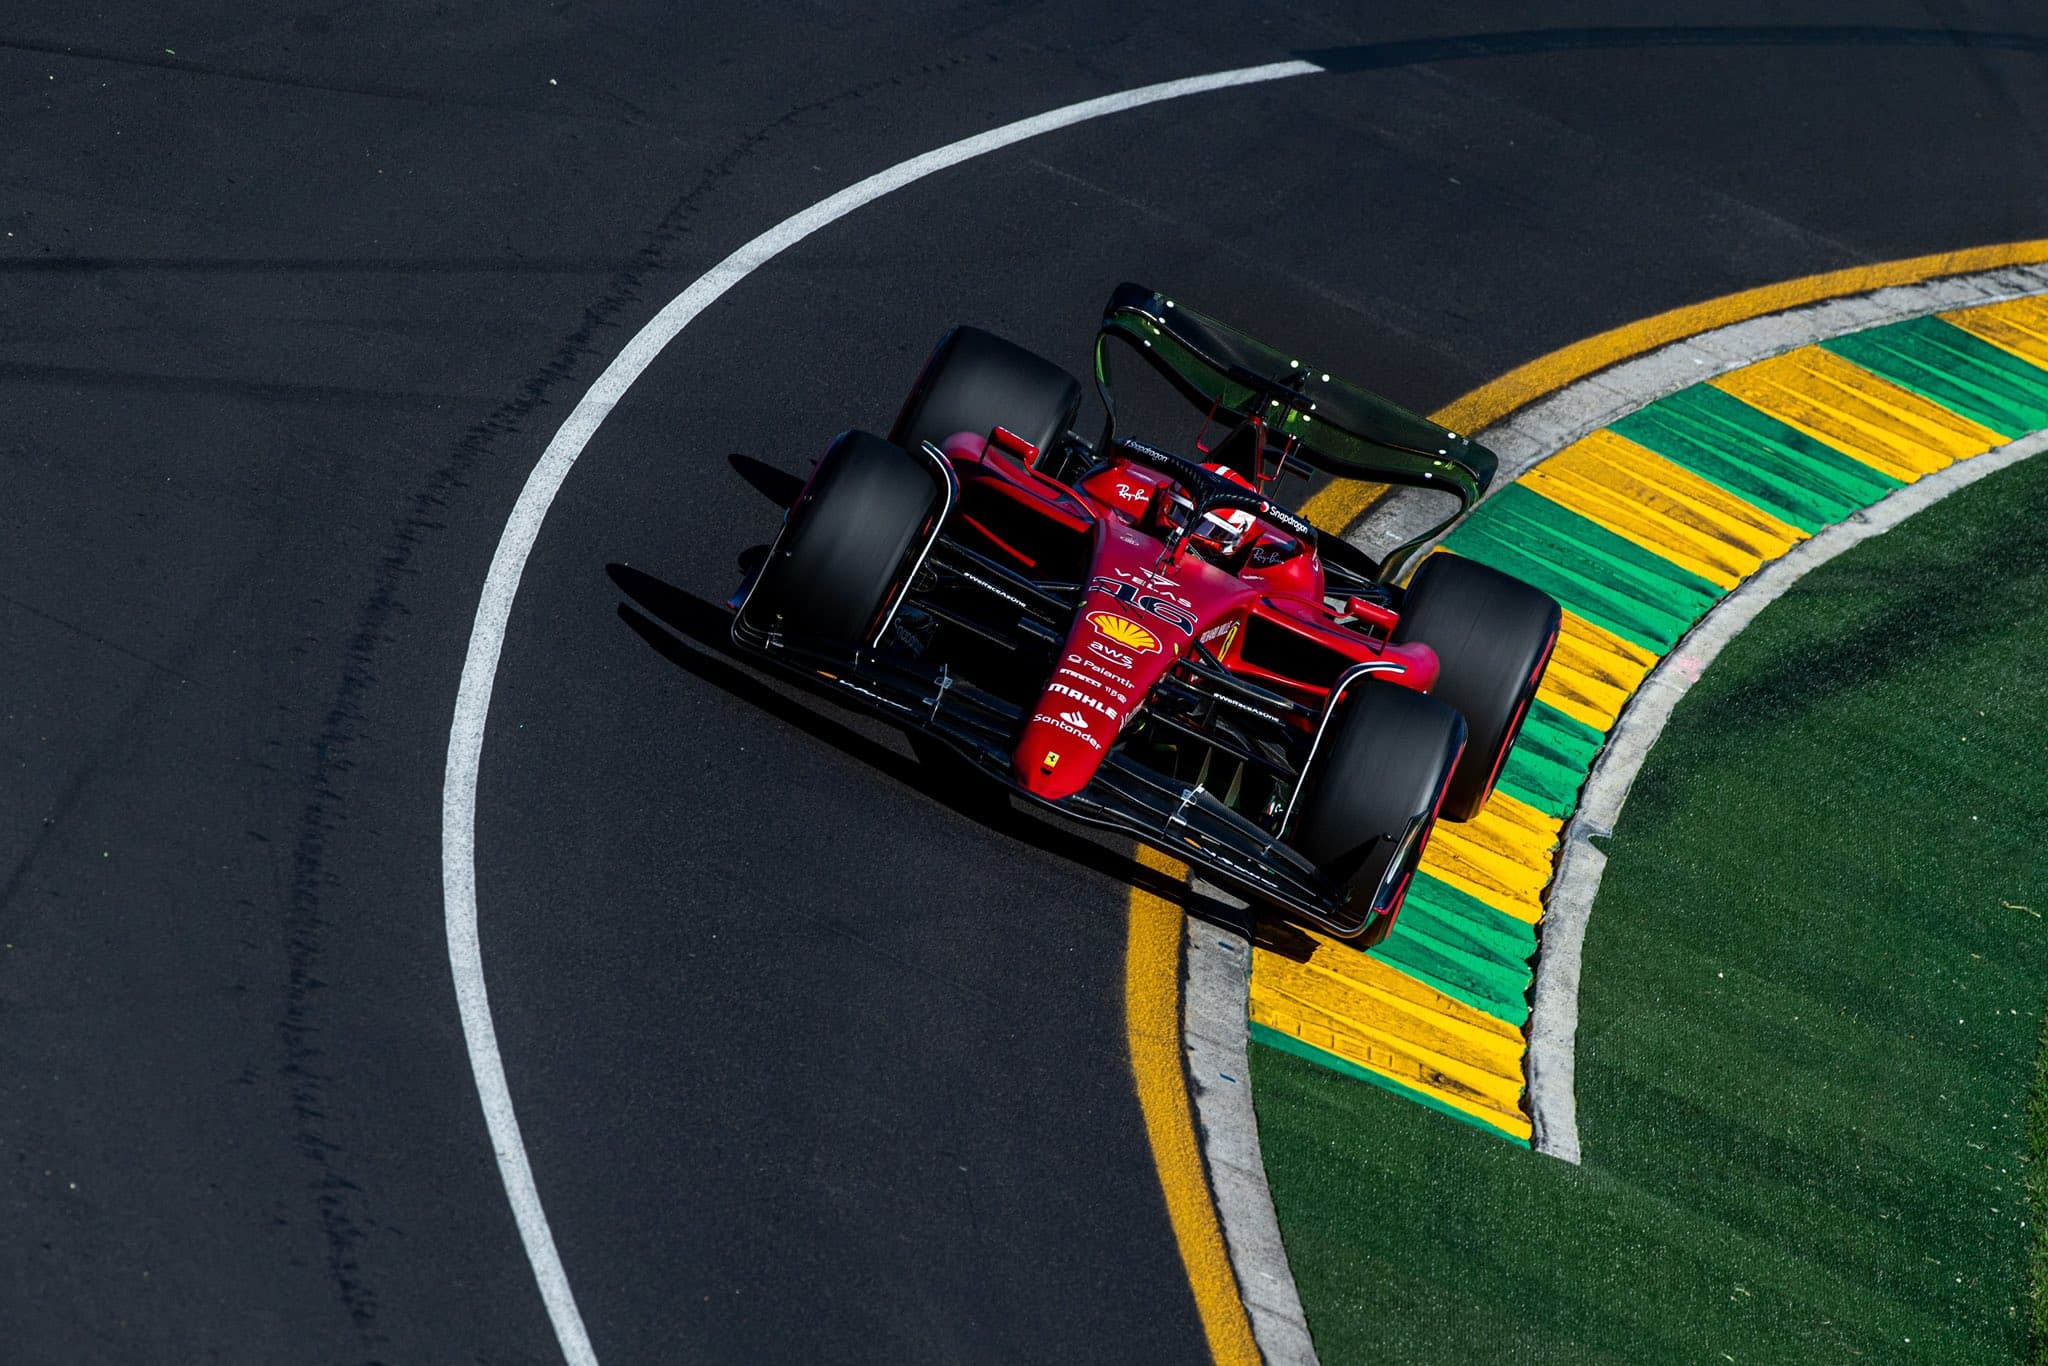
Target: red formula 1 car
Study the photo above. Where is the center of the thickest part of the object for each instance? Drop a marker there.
(1151, 642)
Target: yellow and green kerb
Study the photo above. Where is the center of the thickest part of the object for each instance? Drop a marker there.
(1637, 530)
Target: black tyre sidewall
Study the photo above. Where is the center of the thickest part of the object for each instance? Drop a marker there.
(1383, 760)
(976, 381)
(1492, 635)
(846, 544)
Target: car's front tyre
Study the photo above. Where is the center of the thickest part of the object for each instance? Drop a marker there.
(1369, 795)
(847, 547)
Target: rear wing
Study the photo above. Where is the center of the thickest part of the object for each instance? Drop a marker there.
(1335, 426)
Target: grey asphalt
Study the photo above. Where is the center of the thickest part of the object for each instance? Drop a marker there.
(814, 1063)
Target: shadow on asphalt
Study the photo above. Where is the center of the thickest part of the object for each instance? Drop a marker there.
(695, 635)
(779, 487)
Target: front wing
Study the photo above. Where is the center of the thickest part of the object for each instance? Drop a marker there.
(1185, 822)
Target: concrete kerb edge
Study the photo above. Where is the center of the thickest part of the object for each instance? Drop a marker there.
(1553, 1022)
(1216, 995)
(1546, 425)
(1215, 1007)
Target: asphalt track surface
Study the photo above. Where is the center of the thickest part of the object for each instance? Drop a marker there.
(812, 1062)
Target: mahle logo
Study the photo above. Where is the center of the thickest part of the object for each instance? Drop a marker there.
(1124, 632)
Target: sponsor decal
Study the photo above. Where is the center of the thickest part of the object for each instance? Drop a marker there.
(1078, 732)
(1101, 681)
(1132, 493)
(987, 587)
(1151, 582)
(1124, 632)
(1073, 718)
(1145, 448)
(1219, 638)
(1297, 525)
(1113, 656)
(1083, 698)
(1266, 556)
(1178, 617)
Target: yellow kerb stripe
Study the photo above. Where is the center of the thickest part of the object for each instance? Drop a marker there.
(1358, 1008)
(1664, 508)
(1337, 506)
(2019, 326)
(1860, 415)
(1502, 856)
(1491, 402)
(1152, 1016)
(1590, 678)
(1593, 672)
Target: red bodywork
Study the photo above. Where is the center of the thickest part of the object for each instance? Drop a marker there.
(1264, 617)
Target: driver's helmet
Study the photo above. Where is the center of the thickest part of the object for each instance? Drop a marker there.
(1223, 529)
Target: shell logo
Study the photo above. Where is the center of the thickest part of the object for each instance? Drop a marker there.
(1124, 632)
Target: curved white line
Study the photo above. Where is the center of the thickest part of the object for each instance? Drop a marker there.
(501, 585)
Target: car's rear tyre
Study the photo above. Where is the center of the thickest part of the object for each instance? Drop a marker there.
(847, 545)
(1381, 764)
(1493, 635)
(975, 381)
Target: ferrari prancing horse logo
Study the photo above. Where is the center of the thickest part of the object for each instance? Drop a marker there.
(1124, 632)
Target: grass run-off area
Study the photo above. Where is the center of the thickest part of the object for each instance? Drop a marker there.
(1813, 992)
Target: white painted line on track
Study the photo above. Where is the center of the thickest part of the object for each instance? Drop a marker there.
(501, 586)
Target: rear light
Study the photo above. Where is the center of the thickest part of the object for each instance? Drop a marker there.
(1003, 439)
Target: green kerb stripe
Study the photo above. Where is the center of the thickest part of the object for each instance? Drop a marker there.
(1287, 1043)
(1607, 579)
(1969, 376)
(1756, 457)
(1464, 948)
(1550, 760)
(1463, 918)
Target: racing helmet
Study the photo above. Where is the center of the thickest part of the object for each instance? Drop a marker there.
(1222, 530)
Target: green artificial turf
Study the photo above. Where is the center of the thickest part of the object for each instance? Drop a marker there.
(1811, 1011)
(2037, 1193)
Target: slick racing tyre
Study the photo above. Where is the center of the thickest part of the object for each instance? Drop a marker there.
(1493, 636)
(1381, 764)
(848, 546)
(976, 381)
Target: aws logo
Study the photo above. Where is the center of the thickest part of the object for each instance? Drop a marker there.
(1124, 632)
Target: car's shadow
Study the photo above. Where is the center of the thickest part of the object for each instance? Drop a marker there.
(695, 635)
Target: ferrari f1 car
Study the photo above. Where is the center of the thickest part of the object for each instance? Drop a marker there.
(1149, 640)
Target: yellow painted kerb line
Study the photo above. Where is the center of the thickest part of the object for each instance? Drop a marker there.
(1152, 1010)
(1152, 962)
(1341, 504)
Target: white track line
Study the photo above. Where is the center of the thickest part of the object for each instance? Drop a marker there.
(501, 585)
